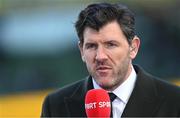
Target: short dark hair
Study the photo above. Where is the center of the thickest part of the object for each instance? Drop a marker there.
(97, 15)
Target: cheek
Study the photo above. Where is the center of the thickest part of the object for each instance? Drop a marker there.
(89, 58)
(118, 58)
(90, 64)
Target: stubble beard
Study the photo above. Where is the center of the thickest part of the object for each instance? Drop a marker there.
(117, 78)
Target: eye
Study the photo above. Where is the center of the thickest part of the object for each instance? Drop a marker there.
(90, 46)
(111, 44)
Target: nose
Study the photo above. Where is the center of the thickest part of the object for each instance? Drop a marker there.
(101, 54)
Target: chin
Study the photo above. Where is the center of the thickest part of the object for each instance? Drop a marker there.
(106, 85)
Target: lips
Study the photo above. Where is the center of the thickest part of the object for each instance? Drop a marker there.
(103, 71)
(103, 68)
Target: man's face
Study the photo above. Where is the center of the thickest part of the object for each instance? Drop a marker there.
(108, 55)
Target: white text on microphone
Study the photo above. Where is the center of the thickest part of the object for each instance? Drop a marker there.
(94, 105)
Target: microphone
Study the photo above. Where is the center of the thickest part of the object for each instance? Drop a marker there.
(97, 103)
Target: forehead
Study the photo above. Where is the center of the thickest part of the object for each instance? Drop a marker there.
(109, 31)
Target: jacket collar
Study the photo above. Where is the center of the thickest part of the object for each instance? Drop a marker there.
(75, 103)
(144, 100)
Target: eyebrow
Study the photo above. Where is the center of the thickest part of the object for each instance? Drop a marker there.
(112, 41)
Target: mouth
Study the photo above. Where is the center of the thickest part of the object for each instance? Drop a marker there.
(103, 71)
(103, 68)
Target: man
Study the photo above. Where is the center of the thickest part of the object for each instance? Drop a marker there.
(108, 44)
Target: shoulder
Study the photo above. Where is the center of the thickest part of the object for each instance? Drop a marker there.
(54, 103)
(166, 88)
(160, 86)
(67, 90)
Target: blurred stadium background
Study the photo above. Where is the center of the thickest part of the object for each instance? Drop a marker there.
(38, 47)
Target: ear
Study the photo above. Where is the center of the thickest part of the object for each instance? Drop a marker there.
(81, 51)
(134, 47)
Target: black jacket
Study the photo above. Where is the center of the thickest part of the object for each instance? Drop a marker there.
(151, 97)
